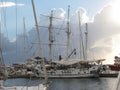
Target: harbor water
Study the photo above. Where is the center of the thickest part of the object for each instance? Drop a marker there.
(68, 84)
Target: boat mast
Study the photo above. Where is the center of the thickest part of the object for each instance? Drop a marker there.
(86, 42)
(2, 65)
(81, 37)
(24, 36)
(68, 31)
(0, 52)
(51, 37)
(40, 45)
(1, 60)
(0, 36)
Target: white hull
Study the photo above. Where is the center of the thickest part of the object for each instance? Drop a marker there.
(71, 73)
(71, 76)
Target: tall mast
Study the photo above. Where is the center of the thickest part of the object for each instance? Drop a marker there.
(2, 65)
(40, 45)
(81, 37)
(86, 42)
(51, 37)
(68, 32)
(0, 47)
(0, 36)
(24, 35)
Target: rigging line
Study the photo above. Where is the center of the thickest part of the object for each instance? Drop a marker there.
(55, 18)
(5, 25)
(26, 40)
(29, 49)
(24, 32)
(2, 24)
(24, 37)
(43, 19)
(93, 55)
(0, 36)
(2, 64)
(49, 16)
(16, 27)
(54, 28)
(61, 26)
(2, 17)
(1, 58)
(0, 40)
(1, 21)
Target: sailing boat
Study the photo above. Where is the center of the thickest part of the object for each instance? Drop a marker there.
(70, 68)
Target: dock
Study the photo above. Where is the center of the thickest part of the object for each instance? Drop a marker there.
(109, 75)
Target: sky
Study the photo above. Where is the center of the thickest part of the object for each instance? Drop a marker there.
(17, 9)
(102, 17)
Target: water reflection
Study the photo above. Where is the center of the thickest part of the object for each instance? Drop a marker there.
(69, 84)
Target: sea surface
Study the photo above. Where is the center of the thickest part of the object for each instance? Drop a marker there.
(68, 84)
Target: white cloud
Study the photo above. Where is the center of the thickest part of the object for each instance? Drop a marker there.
(102, 34)
(59, 13)
(79, 15)
(9, 4)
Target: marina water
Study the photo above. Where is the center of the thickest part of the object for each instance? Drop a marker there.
(68, 84)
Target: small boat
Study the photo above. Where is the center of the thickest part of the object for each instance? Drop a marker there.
(116, 65)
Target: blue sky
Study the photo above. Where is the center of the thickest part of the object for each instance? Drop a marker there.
(43, 7)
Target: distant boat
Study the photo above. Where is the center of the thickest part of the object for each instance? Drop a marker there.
(116, 65)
